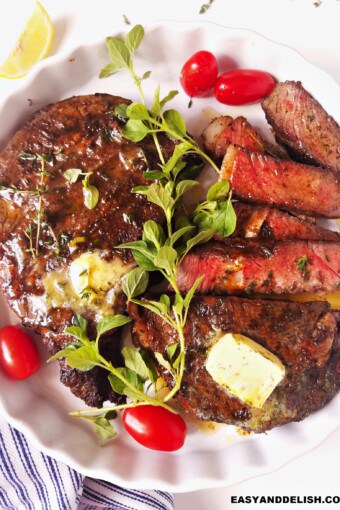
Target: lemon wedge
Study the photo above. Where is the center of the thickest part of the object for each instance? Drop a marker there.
(33, 45)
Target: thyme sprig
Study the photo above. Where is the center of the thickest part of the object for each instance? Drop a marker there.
(41, 189)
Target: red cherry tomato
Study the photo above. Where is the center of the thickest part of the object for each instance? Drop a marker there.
(243, 86)
(19, 356)
(199, 74)
(155, 427)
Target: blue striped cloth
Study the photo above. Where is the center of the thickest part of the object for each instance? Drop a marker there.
(30, 480)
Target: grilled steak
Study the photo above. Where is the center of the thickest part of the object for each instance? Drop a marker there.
(302, 125)
(36, 255)
(223, 131)
(291, 186)
(303, 336)
(270, 223)
(245, 265)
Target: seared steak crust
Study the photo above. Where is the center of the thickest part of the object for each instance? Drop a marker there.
(223, 131)
(245, 265)
(77, 133)
(303, 336)
(302, 125)
(295, 187)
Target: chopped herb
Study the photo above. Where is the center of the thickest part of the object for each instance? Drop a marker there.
(301, 263)
(126, 20)
(190, 103)
(317, 3)
(205, 7)
(30, 102)
(85, 271)
(127, 218)
(250, 287)
(64, 238)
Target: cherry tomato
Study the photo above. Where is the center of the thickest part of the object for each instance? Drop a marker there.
(155, 427)
(199, 74)
(19, 356)
(243, 86)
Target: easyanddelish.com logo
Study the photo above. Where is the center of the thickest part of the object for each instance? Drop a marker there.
(286, 499)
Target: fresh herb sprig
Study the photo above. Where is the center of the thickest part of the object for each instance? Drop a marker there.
(41, 189)
(130, 380)
(217, 211)
(161, 248)
(142, 121)
(90, 192)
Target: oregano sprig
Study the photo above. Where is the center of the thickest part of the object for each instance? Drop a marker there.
(129, 380)
(161, 248)
(142, 121)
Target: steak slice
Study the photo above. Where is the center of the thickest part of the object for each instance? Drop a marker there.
(77, 133)
(291, 186)
(302, 125)
(262, 266)
(258, 221)
(304, 337)
(223, 131)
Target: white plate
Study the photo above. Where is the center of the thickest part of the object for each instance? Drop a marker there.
(39, 406)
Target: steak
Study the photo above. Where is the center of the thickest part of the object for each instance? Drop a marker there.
(246, 265)
(223, 131)
(295, 187)
(77, 133)
(302, 125)
(303, 336)
(263, 222)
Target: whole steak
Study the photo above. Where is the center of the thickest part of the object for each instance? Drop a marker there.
(51, 241)
(303, 335)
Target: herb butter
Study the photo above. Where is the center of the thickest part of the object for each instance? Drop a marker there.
(245, 368)
(88, 283)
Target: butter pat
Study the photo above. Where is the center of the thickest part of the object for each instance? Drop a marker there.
(89, 272)
(245, 368)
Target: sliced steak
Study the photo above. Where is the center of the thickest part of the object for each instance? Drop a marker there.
(77, 133)
(262, 266)
(258, 221)
(304, 337)
(302, 125)
(223, 131)
(302, 189)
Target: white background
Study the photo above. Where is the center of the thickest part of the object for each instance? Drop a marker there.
(312, 30)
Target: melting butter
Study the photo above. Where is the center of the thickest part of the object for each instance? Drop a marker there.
(88, 283)
(245, 368)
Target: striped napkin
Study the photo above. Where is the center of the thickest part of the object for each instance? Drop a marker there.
(30, 480)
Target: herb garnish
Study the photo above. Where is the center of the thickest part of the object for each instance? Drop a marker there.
(301, 263)
(141, 120)
(91, 193)
(41, 189)
(205, 7)
(160, 249)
